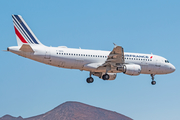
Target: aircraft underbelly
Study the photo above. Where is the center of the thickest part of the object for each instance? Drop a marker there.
(69, 63)
(78, 64)
(144, 68)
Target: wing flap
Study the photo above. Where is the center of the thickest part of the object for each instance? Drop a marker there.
(116, 57)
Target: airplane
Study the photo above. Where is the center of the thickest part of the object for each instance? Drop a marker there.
(103, 64)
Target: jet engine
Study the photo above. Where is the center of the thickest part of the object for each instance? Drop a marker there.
(112, 76)
(130, 69)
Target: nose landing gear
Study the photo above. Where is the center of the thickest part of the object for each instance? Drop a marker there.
(153, 82)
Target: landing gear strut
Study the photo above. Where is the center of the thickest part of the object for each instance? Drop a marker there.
(153, 82)
(90, 79)
(106, 76)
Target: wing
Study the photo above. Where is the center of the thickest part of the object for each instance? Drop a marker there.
(115, 58)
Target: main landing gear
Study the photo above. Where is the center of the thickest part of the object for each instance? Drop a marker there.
(153, 82)
(105, 77)
(90, 79)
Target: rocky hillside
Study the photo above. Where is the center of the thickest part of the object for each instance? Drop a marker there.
(74, 111)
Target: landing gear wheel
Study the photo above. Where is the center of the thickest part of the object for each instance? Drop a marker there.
(152, 77)
(105, 77)
(90, 80)
(153, 82)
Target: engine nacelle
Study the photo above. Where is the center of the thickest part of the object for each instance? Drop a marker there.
(130, 69)
(112, 76)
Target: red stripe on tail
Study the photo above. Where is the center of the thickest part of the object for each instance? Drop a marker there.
(19, 35)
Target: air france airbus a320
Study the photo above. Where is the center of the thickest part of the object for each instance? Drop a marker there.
(104, 64)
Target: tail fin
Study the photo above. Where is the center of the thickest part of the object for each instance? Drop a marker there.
(24, 35)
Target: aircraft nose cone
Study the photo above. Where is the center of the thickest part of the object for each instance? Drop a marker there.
(172, 68)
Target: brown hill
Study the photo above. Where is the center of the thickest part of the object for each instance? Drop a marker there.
(74, 111)
(8, 117)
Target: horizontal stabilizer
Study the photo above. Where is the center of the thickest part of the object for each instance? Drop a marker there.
(26, 48)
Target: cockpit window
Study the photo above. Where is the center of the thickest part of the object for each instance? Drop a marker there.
(166, 61)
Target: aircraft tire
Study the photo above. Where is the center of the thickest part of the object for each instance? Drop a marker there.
(153, 82)
(90, 80)
(105, 77)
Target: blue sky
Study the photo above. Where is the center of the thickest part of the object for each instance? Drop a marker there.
(29, 88)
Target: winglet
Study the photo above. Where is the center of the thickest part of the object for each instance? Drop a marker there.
(115, 45)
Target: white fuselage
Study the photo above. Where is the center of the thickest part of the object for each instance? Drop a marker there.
(103, 64)
(81, 59)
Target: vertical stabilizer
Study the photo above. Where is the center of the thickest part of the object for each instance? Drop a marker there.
(24, 34)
